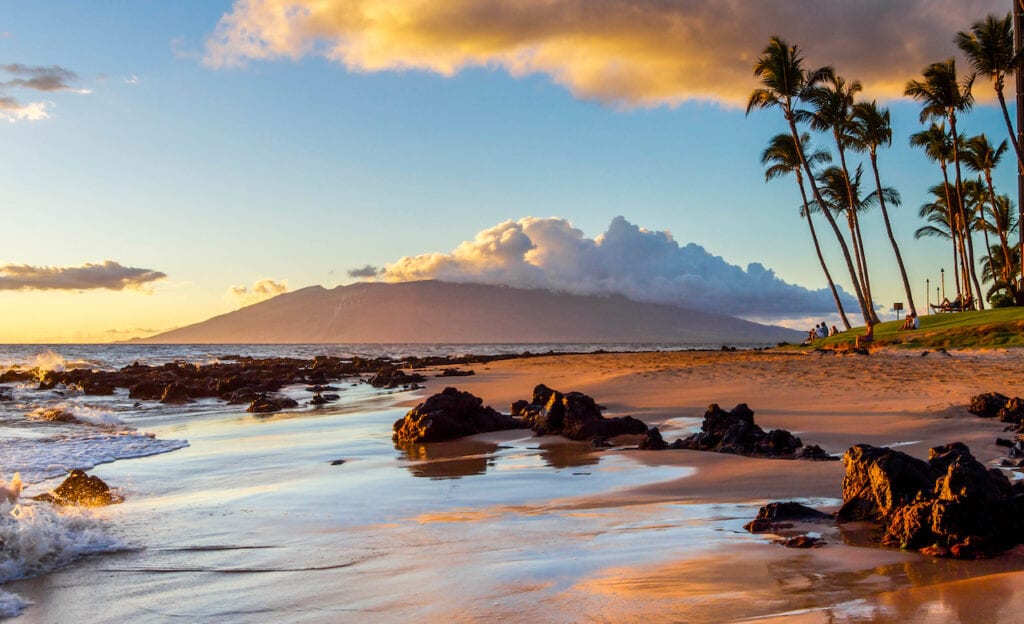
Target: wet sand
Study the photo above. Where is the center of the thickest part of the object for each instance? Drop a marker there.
(251, 522)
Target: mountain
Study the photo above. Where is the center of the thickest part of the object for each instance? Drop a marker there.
(442, 312)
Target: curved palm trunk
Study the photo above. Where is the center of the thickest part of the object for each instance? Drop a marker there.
(892, 238)
(1008, 264)
(953, 230)
(831, 221)
(960, 201)
(856, 240)
(821, 257)
(865, 280)
(1009, 129)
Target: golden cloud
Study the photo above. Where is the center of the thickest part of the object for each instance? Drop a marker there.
(625, 52)
(108, 275)
(262, 290)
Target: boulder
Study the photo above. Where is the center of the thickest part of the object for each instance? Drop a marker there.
(987, 405)
(951, 505)
(147, 389)
(268, 403)
(652, 441)
(447, 415)
(391, 377)
(878, 480)
(573, 415)
(775, 515)
(175, 393)
(81, 490)
(456, 372)
(736, 432)
(1012, 411)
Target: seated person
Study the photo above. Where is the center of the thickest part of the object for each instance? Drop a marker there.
(834, 331)
(867, 338)
(910, 323)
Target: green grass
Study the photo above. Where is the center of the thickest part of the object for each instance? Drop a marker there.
(1003, 327)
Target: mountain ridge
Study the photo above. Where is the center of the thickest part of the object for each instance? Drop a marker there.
(444, 312)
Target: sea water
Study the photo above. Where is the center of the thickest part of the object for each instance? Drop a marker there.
(212, 490)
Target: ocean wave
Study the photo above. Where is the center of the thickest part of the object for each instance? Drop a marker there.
(79, 414)
(36, 539)
(44, 458)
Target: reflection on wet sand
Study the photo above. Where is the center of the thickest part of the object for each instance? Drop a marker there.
(469, 457)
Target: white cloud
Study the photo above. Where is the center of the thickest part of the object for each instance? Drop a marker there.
(260, 291)
(641, 264)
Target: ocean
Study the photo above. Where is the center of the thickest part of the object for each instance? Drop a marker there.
(311, 514)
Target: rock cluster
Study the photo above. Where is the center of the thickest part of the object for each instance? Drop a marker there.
(736, 432)
(80, 490)
(266, 403)
(951, 505)
(781, 515)
(393, 377)
(447, 415)
(573, 415)
(996, 405)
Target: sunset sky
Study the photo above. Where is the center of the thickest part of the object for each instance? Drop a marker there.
(164, 162)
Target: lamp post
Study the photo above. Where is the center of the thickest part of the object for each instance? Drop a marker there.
(942, 274)
(927, 292)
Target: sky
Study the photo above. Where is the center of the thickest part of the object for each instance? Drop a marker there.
(165, 162)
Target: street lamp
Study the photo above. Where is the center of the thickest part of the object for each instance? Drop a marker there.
(927, 292)
(942, 273)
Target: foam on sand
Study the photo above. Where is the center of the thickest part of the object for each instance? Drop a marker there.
(36, 539)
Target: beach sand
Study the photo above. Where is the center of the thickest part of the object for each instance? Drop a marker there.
(666, 547)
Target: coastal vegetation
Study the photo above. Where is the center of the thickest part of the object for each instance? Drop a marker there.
(831, 183)
(977, 329)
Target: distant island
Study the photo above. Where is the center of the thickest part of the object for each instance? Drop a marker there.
(442, 312)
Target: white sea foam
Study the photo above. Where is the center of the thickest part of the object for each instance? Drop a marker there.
(11, 605)
(35, 539)
(43, 458)
(71, 412)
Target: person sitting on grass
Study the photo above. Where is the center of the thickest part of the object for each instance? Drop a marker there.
(867, 338)
(834, 331)
(910, 323)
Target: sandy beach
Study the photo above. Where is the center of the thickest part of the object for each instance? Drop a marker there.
(233, 528)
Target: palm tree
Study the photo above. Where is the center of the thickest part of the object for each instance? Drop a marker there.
(783, 79)
(1003, 269)
(990, 50)
(871, 128)
(981, 157)
(783, 157)
(831, 100)
(975, 196)
(938, 147)
(943, 96)
(936, 214)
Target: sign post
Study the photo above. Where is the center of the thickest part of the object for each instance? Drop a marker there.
(898, 306)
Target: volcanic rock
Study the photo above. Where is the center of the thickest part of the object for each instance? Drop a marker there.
(267, 403)
(82, 490)
(448, 415)
(952, 504)
(776, 515)
(735, 432)
(573, 415)
(652, 441)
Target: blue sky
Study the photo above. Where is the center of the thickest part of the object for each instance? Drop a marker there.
(301, 169)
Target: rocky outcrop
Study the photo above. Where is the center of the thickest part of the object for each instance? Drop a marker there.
(448, 415)
(268, 403)
(779, 515)
(736, 432)
(573, 415)
(175, 393)
(652, 441)
(456, 372)
(996, 405)
(951, 505)
(391, 377)
(81, 490)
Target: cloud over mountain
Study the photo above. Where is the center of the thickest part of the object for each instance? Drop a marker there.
(107, 275)
(641, 264)
(260, 291)
(628, 52)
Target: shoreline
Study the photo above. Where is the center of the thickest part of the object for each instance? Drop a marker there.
(662, 550)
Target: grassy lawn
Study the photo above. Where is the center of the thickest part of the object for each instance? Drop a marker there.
(1003, 327)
